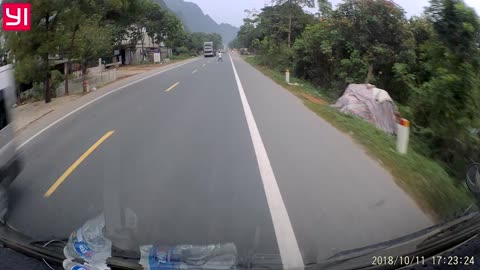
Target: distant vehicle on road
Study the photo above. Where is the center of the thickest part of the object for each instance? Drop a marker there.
(208, 50)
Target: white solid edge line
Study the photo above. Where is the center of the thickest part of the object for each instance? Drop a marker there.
(92, 101)
(286, 240)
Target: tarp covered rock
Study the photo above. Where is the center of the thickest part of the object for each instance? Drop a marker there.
(370, 103)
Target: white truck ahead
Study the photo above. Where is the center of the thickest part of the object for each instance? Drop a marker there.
(208, 49)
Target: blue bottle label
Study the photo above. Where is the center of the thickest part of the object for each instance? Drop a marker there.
(79, 267)
(80, 246)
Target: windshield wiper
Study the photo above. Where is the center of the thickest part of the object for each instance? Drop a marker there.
(425, 244)
(14, 240)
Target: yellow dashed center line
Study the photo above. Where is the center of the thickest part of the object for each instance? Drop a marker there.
(171, 87)
(75, 164)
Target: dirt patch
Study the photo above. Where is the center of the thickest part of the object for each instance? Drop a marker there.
(313, 99)
(142, 67)
(33, 121)
(126, 76)
(138, 67)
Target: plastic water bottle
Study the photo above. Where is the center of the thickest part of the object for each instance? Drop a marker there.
(220, 256)
(89, 243)
(70, 265)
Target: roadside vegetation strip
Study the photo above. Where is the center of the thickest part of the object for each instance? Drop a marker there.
(182, 56)
(422, 178)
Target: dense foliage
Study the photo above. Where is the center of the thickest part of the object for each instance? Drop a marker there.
(428, 64)
(268, 32)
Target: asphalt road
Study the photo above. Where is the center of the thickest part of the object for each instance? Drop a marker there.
(209, 162)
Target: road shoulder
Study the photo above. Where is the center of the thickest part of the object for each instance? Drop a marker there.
(425, 181)
(327, 181)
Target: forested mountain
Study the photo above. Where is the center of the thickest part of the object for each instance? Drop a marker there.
(194, 20)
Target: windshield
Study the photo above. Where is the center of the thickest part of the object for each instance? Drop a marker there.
(266, 133)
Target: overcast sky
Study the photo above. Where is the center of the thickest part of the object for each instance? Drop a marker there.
(231, 11)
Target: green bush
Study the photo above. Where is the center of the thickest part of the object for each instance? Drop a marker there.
(37, 91)
(276, 56)
(445, 85)
(56, 79)
(182, 50)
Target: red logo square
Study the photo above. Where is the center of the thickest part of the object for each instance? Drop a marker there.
(16, 16)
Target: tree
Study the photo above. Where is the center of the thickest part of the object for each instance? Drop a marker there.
(445, 103)
(274, 21)
(247, 33)
(217, 40)
(358, 40)
(377, 30)
(291, 4)
(267, 33)
(127, 20)
(324, 8)
(84, 30)
(318, 56)
(196, 40)
(166, 27)
(93, 41)
(76, 13)
(35, 47)
(457, 26)
(149, 24)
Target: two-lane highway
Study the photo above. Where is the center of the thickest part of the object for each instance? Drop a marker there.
(210, 152)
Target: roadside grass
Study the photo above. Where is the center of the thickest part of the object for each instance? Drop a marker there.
(428, 184)
(182, 56)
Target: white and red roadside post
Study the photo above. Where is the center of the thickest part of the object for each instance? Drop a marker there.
(86, 87)
(403, 133)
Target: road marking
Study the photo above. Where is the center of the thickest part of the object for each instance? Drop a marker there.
(204, 65)
(98, 98)
(287, 242)
(171, 87)
(194, 71)
(75, 164)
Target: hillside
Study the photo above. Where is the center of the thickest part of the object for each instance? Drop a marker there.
(195, 20)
